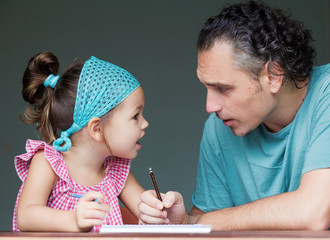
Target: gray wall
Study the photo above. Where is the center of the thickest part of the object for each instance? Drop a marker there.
(155, 41)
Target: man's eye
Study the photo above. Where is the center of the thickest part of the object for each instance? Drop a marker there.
(223, 89)
(136, 116)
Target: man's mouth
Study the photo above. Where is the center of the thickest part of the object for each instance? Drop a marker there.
(228, 122)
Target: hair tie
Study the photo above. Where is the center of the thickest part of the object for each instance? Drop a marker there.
(63, 139)
(63, 143)
(51, 81)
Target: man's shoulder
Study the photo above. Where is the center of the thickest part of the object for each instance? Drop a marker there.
(321, 75)
(323, 68)
(319, 85)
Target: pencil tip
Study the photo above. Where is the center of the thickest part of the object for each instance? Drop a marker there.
(150, 169)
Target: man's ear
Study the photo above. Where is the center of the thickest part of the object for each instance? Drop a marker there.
(95, 129)
(275, 76)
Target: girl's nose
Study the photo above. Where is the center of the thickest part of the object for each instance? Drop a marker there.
(145, 124)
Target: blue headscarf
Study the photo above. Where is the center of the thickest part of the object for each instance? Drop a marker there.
(101, 87)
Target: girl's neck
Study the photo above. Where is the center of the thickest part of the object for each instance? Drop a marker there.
(85, 166)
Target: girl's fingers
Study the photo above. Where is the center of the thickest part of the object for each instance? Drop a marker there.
(150, 198)
(93, 214)
(86, 223)
(90, 213)
(94, 200)
(93, 195)
(146, 219)
(149, 210)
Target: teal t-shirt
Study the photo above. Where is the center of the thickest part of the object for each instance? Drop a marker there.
(236, 170)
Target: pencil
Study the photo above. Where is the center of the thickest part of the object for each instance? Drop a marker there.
(155, 185)
(75, 195)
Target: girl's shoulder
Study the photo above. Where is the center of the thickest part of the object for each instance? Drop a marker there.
(117, 172)
(34, 147)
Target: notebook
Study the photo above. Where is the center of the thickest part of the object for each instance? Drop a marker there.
(151, 228)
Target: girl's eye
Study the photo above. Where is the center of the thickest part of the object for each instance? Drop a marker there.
(136, 116)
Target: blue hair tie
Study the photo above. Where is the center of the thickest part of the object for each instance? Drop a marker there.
(63, 139)
(51, 80)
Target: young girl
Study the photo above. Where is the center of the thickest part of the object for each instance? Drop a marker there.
(91, 121)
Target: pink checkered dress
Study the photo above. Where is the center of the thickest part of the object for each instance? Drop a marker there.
(60, 198)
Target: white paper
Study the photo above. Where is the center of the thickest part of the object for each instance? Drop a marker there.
(148, 228)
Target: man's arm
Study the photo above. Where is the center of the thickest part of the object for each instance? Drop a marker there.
(306, 208)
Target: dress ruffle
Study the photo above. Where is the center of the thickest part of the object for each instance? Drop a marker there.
(117, 170)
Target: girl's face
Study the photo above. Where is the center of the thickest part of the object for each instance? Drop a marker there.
(126, 126)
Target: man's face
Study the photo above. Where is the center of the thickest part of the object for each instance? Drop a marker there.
(241, 102)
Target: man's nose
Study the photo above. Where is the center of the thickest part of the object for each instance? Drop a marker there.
(213, 103)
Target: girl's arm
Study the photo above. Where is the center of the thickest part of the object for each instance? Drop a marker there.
(34, 215)
(130, 195)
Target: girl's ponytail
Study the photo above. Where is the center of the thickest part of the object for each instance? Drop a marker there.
(34, 92)
(39, 68)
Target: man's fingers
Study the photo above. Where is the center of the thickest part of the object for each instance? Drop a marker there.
(171, 198)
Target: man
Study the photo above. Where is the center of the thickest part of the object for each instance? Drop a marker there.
(265, 151)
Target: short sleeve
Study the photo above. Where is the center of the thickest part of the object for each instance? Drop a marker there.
(318, 151)
(22, 162)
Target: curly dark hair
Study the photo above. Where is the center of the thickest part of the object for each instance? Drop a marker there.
(259, 34)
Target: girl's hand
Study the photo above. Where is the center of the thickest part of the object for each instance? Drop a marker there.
(90, 213)
(150, 208)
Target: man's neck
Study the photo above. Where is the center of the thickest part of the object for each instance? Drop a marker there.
(290, 99)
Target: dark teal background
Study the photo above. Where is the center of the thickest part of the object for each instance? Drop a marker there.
(155, 41)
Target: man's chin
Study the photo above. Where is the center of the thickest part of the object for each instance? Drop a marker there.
(240, 132)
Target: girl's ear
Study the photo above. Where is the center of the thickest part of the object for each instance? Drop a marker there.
(275, 77)
(95, 129)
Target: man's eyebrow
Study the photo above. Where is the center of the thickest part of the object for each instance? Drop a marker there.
(216, 84)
